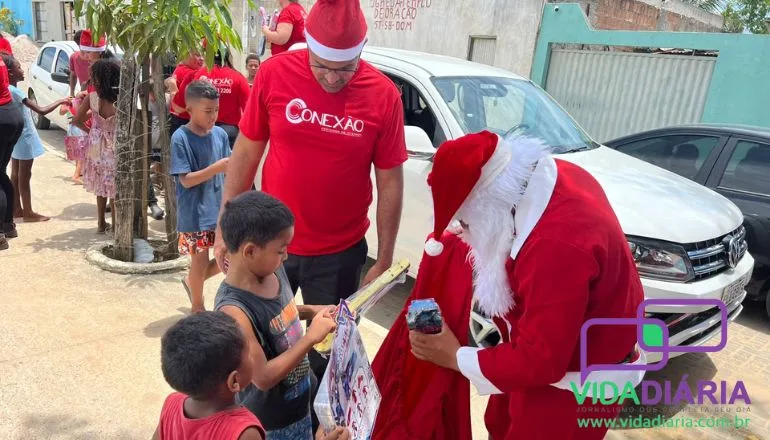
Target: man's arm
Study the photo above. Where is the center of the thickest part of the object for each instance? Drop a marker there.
(195, 178)
(73, 81)
(390, 198)
(268, 373)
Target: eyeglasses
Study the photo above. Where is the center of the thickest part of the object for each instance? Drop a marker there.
(342, 71)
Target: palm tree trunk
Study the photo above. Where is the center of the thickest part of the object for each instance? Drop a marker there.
(159, 90)
(125, 161)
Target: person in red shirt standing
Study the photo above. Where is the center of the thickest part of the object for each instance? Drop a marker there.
(290, 29)
(184, 69)
(233, 91)
(11, 126)
(329, 117)
(5, 45)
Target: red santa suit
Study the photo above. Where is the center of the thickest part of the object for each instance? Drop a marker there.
(548, 255)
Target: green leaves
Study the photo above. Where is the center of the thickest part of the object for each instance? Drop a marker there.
(156, 27)
(749, 15)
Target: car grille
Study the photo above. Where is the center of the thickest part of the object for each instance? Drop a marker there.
(710, 257)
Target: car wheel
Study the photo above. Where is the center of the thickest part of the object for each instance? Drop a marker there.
(41, 122)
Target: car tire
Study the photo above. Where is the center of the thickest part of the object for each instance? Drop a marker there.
(41, 122)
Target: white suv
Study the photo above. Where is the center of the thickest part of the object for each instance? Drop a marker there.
(678, 230)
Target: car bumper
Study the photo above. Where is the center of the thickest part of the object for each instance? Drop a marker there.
(689, 326)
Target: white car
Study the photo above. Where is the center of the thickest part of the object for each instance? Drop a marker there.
(688, 241)
(48, 80)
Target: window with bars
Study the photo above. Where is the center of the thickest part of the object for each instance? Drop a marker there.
(38, 15)
(481, 49)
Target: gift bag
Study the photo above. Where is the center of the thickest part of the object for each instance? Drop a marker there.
(348, 394)
(75, 143)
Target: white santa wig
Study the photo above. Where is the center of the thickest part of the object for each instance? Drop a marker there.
(488, 213)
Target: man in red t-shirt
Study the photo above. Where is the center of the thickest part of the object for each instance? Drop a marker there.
(233, 90)
(290, 29)
(328, 117)
(179, 115)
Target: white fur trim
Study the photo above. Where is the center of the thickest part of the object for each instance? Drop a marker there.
(495, 165)
(487, 206)
(433, 247)
(332, 54)
(93, 49)
(619, 378)
(534, 201)
(468, 363)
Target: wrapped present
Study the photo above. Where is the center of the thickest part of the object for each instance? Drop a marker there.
(348, 394)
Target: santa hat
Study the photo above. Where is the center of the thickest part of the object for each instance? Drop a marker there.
(87, 43)
(461, 166)
(335, 30)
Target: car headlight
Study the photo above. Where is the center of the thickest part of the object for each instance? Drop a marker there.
(660, 261)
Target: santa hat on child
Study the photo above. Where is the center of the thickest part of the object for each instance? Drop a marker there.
(88, 44)
(335, 30)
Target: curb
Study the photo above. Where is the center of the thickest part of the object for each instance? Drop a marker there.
(95, 256)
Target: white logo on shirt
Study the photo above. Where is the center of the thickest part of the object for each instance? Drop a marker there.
(223, 85)
(297, 112)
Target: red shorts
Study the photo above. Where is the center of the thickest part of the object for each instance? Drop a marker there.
(195, 242)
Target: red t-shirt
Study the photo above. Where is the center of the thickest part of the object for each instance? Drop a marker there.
(322, 147)
(295, 15)
(224, 425)
(233, 90)
(5, 94)
(80, 67)
(181, 73)
(5, 45)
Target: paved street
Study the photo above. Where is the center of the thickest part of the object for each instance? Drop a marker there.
(80, 353)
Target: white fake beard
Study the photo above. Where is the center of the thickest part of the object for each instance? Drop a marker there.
(490, 234)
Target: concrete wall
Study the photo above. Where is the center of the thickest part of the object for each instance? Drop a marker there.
(446, 26)
(648, 15)
(22, 10)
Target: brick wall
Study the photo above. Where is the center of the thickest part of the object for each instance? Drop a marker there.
(647, 15)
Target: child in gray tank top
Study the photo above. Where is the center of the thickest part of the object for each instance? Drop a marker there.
(257, 229)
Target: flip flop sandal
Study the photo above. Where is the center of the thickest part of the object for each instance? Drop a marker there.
(187, 289)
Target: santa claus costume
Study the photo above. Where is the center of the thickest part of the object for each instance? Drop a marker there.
(548, 254)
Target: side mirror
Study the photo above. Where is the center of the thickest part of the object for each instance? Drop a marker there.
(59, 77)
(418, 144)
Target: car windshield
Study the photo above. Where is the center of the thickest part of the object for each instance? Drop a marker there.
(511, 107)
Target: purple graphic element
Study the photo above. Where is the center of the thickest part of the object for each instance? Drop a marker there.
(586, 369)
(639, 322)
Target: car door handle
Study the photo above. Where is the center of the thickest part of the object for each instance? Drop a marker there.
(50, 88)
(34, 76)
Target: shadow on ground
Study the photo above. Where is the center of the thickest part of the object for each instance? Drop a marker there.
(77, 239)
(158, 328)
(754, 316)
(79, 211)
(65, 427)
(154, 281)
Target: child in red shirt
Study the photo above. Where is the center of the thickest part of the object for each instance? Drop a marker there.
(205, 358)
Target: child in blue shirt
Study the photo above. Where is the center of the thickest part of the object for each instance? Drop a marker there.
(199, 155)
(28, 147)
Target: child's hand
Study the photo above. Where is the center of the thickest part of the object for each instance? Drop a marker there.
(321, 309)
(322, 325)
(222, 165)
(339, 433)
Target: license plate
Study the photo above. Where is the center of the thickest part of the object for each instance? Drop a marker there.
(734, 290)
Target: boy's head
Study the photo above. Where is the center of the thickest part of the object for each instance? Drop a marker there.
(105, 76)
(252, 64)
(15, 72)
(205, 356)
(202, 101)
(257, 228)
